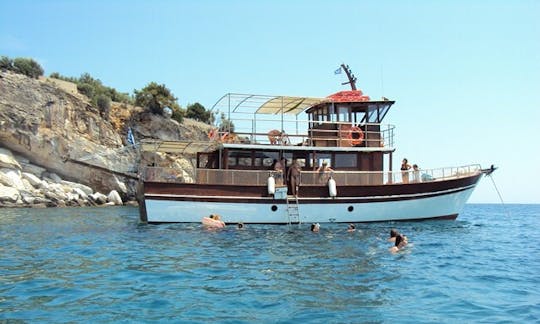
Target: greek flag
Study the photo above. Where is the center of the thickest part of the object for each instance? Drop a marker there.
(130, 138)
(338, 71)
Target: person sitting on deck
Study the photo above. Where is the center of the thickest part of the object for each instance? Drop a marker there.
(277, 137)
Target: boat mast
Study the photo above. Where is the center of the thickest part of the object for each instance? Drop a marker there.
(350, 76)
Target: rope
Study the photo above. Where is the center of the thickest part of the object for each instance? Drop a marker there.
(500, 196)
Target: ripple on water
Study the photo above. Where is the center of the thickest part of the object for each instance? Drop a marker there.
(101, 265)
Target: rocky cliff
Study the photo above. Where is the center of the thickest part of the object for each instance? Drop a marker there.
(54, 127)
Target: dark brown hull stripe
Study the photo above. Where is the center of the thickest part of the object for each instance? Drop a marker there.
(321, 200)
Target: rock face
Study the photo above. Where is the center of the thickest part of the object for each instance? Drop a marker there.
(55, 131)
(45, 189)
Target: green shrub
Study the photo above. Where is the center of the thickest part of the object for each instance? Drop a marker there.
(87, 90)
(6, 63)
(198, 112)
(178, 114)
(104, 105)
(27, 67)
(155, 97)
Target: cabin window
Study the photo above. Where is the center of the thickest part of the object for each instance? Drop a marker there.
(231, 161)
(346, 161)
(343, 113)
(268, 159)
(246, 162)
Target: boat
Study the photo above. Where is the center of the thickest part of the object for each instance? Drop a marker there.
(235, 176)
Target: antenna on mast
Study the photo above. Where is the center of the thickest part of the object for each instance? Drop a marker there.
(350, 76)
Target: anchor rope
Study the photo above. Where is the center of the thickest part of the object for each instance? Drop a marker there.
(499, 194)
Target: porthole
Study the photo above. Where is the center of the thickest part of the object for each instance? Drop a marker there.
(350, 209)
(274, 208)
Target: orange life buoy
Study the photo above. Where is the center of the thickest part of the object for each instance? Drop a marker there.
(355, 136)
(352, 135)
(225, 137)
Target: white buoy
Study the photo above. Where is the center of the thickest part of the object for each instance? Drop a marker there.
(271, 185)
(332, 190)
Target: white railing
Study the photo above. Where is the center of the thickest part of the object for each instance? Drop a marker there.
(343, 178)
(256, 131)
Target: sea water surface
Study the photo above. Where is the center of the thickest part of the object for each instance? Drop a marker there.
(102, 265)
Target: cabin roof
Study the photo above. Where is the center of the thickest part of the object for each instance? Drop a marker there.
(265, 104)
(288, 105)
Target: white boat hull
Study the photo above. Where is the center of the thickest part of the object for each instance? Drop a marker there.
(183, 209)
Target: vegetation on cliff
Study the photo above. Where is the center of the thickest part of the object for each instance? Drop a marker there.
(154, 97)
(21, 65)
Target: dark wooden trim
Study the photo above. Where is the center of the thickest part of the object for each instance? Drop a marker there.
(354, 193)
(320, 200)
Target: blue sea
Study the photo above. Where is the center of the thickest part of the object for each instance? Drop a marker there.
(101, 265)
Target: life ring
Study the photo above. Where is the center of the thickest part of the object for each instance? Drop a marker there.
(352, 135)
(355, 136)
(225, 137)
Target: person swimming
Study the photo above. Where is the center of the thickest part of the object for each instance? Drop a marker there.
(315, 227)
(351, 228)
(401, 242)
(393, 233)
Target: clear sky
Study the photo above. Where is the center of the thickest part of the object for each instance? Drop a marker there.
(465, 74)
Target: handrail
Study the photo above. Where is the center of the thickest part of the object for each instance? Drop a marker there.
(311, 178)
(306, 132)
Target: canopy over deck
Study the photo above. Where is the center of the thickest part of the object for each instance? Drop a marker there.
(266, 104)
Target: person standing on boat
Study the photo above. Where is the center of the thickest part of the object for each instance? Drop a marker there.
(285, 169)
(278, 172)
(293, 176)
(416, 173)
(324, 171)
(405, 167)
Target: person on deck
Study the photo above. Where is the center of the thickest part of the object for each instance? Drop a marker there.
(323, 172)
(278, 172)
(416, 173)
(293, 177)
(405, 167)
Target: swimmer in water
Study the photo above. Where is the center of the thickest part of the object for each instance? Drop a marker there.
(393, 234)
(401, 242)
